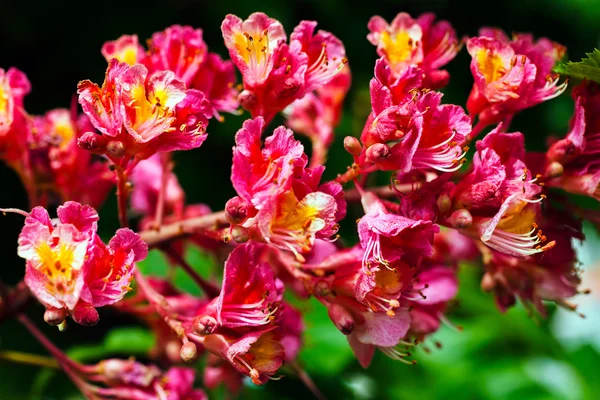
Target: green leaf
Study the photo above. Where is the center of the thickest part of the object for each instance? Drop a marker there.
(587, 68)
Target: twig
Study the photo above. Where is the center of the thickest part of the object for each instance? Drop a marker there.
(183, 228)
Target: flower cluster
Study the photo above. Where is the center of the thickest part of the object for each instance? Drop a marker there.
(278, 236)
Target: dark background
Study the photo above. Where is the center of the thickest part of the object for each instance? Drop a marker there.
(57, 44)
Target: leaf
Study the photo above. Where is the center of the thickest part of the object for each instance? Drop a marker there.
(587, 68)
(326, 350)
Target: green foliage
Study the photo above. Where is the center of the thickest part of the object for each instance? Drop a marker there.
(587, 68)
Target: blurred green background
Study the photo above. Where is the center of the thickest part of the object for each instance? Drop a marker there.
(511, 356)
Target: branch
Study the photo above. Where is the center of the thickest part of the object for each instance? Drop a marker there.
(183, 228)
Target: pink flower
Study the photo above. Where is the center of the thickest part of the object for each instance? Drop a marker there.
(577, 152)
(69, 268)
(420, 42)
(109, 269)
(549, 276)
(252, 45)
(326, 54)
(14, 130)
(437, 285)
(287, 212)
(250, 296)
(56, 161)
(147, 179)
(409, 129)
(511, 75)
(216, 79)
(275, 73)
(56, 254)
(318, 113)
(139, 114)
(180, 49)
(125, 49)
(257, 354)
(502, 197)
(387, 237)
(129, 379)
(377, 330)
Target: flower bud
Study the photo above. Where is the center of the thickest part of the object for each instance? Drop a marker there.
(247, 100)
(341, 318)
(236, 210)
(461, 219)
(487, 282)
(322, 288)
(115, 149)
(85, 315)
(240, 234)
(55, 316)
(188, 352)
(93, 142)
(554, 170)
(205, 324)
(444, 203)
(379, 152)
(352, 145)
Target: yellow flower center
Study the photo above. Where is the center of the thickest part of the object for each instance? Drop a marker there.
(490, 65)
(57, 262)
(3, 100)
(398, 47)
(295, 215)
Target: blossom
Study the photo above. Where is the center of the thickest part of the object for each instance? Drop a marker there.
(181, 49)
(139, 114)
(318, 113)
(69, 268)
(419, 42)
(387, 237)
(503, 197)
(551, 277)
(436, 285)
(125, 49)
(276, 73)
(147, 181)
(14, 130)
(286, 207)
(250, 295)
(409, 129)
(130, 379)
(576, 154)
(56, 161)
(216, 79)
(511, 75)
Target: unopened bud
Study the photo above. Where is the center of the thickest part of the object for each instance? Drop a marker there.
(93, 142)
(85, 315)
(55, 316)
(188, 352)
(112, 369)
(247, 100)
(487, 282)
(444, 203)
(115, 149)
(554, 170)
(341, 318)
(236, 210)
(239, 234)
(205, 325)
(379, 152)
(322, 289)
(352, 145)
(461, 219)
